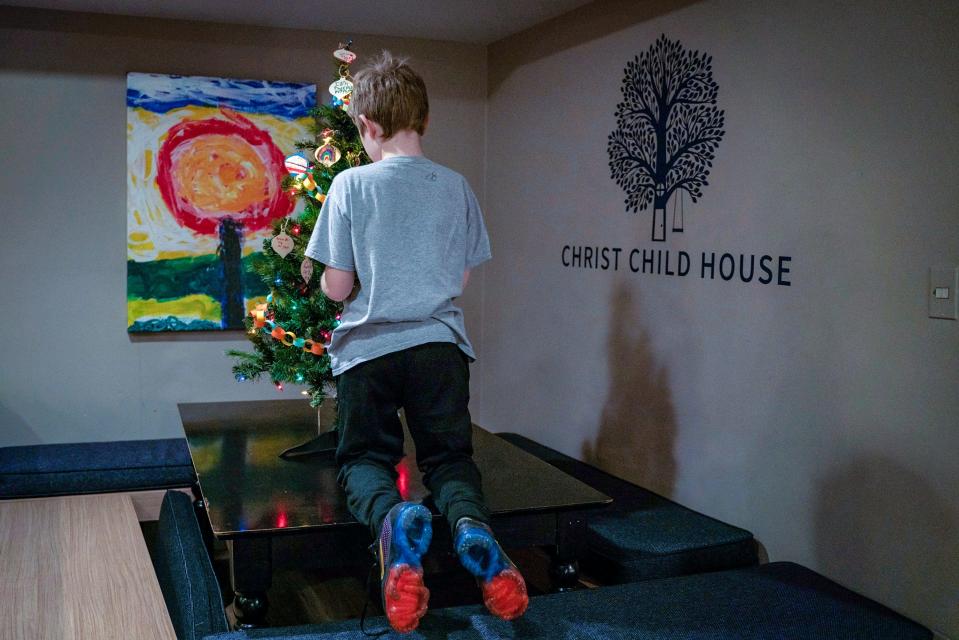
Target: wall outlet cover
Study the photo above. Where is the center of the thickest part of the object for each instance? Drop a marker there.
(943, 292)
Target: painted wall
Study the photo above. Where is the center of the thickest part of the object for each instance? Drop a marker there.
(822, 415)
(70, 371)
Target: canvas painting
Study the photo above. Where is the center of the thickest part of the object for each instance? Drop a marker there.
(205, 162)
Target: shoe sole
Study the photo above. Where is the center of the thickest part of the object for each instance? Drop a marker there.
(405, 596)
(505, 595)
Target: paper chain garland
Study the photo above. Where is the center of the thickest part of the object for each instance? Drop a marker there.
(288, 338)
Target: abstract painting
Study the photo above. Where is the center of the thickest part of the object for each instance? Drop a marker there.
(205, 163)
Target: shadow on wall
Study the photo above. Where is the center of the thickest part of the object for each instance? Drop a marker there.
(637, 429)
(14, 431)
(882, 529)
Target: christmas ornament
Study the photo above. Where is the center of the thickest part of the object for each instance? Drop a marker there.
(297, 164)
(308, 183)
(327, 155)
(306, 269)
(344, 55)
(282, 244)
(341, 88)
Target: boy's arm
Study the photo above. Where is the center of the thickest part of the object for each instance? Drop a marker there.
(337, 284)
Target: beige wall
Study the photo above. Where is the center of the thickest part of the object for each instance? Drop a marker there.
(70, 371)
(822, 416)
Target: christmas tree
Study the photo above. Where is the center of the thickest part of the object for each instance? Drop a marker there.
(291, 330)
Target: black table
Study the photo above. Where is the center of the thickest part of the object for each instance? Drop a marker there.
(276, 513)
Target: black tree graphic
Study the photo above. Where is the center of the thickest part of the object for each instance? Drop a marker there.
(667, 128)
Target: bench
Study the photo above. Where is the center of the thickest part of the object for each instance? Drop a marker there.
(778, 600)
(642, 535)
(146, 468)
(94, 467)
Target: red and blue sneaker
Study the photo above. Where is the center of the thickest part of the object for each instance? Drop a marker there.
(404, 538)
(504, 589)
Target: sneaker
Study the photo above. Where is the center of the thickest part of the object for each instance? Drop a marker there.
(404, 538)
(504, 590)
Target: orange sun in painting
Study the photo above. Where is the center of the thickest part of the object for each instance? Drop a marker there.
(208, 170)
(220, 173)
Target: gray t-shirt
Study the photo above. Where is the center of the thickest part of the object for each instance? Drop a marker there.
(409, 228)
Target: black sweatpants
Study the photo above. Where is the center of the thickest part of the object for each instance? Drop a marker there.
(431, 382)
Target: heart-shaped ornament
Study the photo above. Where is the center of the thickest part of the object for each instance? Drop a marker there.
(282, 244)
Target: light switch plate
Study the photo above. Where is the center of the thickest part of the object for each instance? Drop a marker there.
(940, 279)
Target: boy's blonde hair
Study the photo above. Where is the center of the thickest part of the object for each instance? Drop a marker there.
(391, 94)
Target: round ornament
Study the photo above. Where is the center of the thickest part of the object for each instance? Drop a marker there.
(282, 244)
(327, 155)
(297, 164)
(341, 88)
(344, 55)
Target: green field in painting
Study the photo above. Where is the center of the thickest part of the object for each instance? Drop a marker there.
(197, 283)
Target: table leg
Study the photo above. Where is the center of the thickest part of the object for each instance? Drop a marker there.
(251, 574)
(202, 518)
(570, 538)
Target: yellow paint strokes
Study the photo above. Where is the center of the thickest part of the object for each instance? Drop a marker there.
(140, 248)
(147, 163)
(252, 302)
(157, 214)
(194, 306)
(193, 112)
(145, 116)
(172, 255)
(139, 236)
(282, 129)
(137, 217)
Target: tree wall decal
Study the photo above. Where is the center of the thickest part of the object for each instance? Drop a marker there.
(667, 128)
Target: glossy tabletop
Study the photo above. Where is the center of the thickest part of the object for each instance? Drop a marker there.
(250, 490)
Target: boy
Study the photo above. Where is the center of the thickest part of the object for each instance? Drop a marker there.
(409, 230)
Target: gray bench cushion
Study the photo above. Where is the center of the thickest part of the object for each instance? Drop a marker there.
(776, 601)
(642, 535)
(94, 467)
(183, 569)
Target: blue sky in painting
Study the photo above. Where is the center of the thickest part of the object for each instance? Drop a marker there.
(161, 93)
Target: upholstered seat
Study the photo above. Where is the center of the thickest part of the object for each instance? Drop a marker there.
(779, 600)
(642, 535)
(94, 467)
